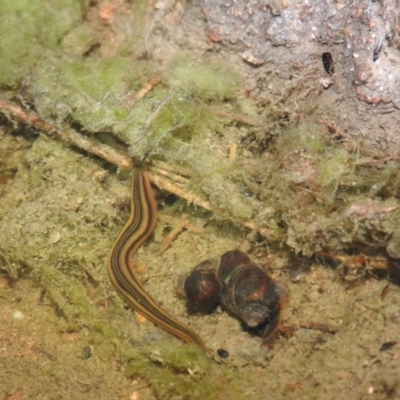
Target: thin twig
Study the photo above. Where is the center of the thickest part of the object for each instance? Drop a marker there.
(166, 243)
(30, 118)
(133, 98)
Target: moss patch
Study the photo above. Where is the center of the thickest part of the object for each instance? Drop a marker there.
(29, 30)
(207, 81)
(182, 372)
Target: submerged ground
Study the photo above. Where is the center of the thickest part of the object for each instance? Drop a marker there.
(294, 165)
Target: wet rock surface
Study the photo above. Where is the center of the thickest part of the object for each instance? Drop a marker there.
(364, 38)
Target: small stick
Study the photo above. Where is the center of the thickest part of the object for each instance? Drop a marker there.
(133, 98)
(32, 119)
(172, 236)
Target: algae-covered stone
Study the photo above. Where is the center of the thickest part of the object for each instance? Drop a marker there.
(203, 79)
(170, 119)
(79, 40)
(28, 29)
(91, 92)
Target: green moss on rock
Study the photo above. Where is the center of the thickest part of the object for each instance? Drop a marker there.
(79, 40)
(203, 79)
(30, 29)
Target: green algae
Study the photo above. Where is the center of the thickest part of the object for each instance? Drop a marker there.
(183, 372)
(208, 81)
(29, 30)
(79, 41)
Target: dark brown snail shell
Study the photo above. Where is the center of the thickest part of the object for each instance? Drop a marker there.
(250, 294)
(202, 287)
(244, 289)
(229, 261)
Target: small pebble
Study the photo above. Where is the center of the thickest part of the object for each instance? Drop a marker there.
(387, 346)
(18, 315)
(222, 353)
(87, 352)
